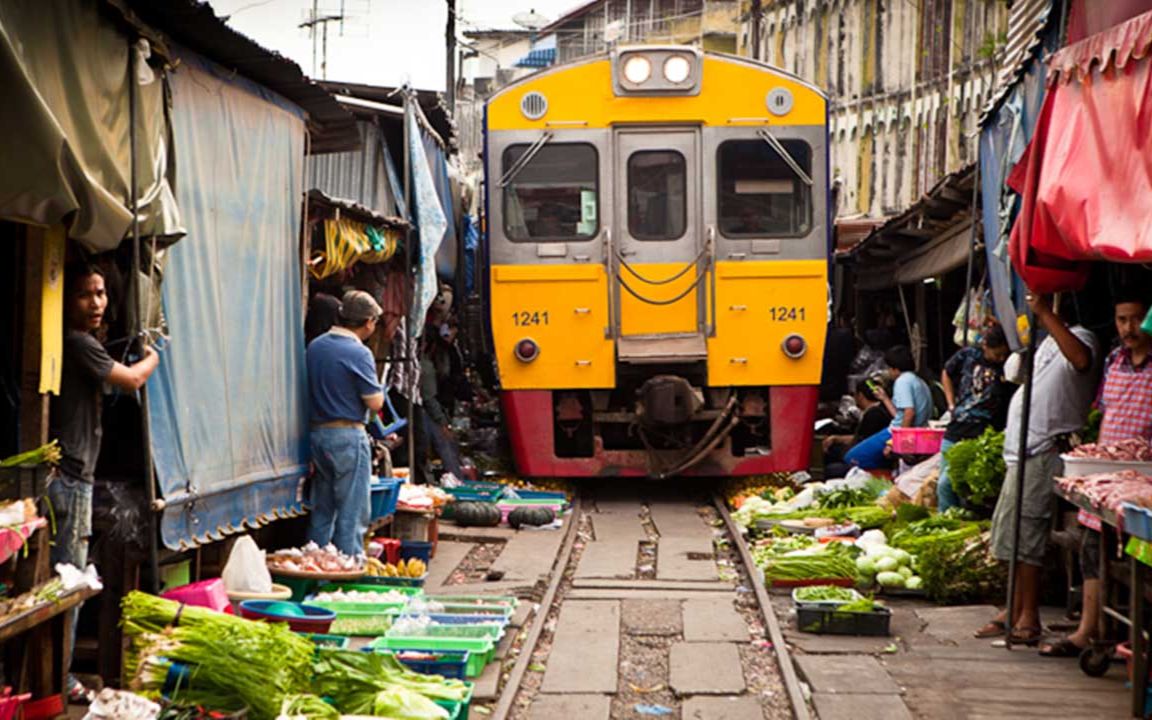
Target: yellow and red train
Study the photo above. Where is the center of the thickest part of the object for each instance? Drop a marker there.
(657, 252)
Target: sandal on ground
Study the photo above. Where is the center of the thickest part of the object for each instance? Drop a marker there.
(1062, 648)
(1027, 636)
(77, 694)
(993, 629)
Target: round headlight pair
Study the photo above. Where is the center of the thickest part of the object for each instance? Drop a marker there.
(637, 69)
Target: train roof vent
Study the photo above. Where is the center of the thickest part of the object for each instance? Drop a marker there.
(534, 105)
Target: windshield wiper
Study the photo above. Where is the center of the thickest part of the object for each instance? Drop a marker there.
(524, 159)
(779, 148)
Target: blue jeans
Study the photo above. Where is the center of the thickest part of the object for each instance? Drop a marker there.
(444, 446)
(868, 454)
(71, 501)
(341, 498)
(945, 496)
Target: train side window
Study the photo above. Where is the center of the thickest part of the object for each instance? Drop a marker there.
(759, 194)
(555, 197)
(657, 195)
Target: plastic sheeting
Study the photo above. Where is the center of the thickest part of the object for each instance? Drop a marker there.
(64, 120)
(1002, 143)
(1086, 178)
(228, 403)
(430, 221)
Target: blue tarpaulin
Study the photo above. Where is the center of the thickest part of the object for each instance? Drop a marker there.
(1002, 142)
(541, 58)
(228, 402)
(430, 221)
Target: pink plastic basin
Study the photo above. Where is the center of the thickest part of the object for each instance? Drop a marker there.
(917, 441)
(206, 593)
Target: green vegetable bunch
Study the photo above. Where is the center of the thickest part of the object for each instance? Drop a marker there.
(825, 593)
(379, 685)
(962, 571)
(934, 531)
(976, 467)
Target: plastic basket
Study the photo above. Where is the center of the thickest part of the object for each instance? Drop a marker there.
(1137, 521)
(458, 710)
(385, 494)
(824, 620)
(476, 495)
(361, 624)
(507, 601)
(823, 603)
(459, 619)
(480, 650)
(206, 593)
(393, 582)
(312, 620)
(490, 631)
(917, 441)
(500, 611)
(446, 663)
(411, 592)
(416, 549)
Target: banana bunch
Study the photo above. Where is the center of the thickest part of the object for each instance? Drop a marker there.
(410, 568)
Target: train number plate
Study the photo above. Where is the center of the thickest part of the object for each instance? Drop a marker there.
(786, 313)
(526, 318)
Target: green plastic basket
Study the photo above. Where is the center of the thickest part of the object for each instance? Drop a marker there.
(361, 608)
(371, 587)
(506, 600)
(361, 624)
(480, 650)
(458, 710)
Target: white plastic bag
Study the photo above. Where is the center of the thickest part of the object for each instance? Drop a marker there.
(246, 570)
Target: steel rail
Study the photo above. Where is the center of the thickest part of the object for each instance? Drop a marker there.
(516, 677)
(775, 635)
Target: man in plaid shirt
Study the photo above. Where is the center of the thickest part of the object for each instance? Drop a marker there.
(1126, 401)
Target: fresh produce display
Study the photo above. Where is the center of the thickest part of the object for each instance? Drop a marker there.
(231, 662)
(825, 594)
(1133, 450)
(410, 568)
(476, 514)
(935, 530)
(823, 561)
(1110, 490)
(889, 567)
(390, 597)
(48, 454)
(314, 559)
(976, 467)
(531, 516)
(379, 685)
(962, 571)
(860, 605)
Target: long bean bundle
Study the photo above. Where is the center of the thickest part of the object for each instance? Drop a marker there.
(231, 662)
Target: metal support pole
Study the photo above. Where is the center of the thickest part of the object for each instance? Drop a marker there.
(409, 329)
(756, 29)
(1021, 459)
(971, 253)
(450, 56)
(138, 334)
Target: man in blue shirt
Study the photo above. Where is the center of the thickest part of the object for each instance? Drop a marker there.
(910, 406)
(343, 389)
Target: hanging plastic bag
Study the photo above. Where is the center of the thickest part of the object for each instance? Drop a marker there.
(247, 570)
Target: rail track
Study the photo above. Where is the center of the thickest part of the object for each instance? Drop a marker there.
(652, 608)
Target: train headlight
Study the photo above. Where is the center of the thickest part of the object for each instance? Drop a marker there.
(637, 69)
(527, 350)
(794, 346)
(677, 69)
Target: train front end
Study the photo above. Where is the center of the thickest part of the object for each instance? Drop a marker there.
(657, 248)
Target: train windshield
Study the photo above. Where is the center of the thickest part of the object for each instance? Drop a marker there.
(657, 202)
(555, 196)
(760, 194)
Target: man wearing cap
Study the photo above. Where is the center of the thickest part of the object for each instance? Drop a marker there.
(343, 389)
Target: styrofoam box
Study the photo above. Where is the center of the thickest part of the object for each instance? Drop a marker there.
(1079, 467)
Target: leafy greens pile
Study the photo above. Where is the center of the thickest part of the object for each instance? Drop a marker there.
(976, 467)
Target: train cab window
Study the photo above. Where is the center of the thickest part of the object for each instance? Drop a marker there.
(657, 195)
(759, 194)
(555, 196)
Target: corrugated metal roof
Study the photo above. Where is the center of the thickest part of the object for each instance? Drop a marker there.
(1026, 25)
(195, 25)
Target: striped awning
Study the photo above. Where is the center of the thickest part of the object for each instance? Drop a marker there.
(540, 58)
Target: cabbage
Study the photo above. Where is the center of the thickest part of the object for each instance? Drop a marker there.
(887, 563)
(903, 556)
(914, 583)
(890, 579)
(865, 565)
(905, 571)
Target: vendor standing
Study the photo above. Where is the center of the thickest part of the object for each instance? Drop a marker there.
(1063, 381)
(343, 389)
(1126, 400)
(76, 413)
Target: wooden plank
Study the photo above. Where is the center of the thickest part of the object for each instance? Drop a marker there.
(40, 613)
(34, 407)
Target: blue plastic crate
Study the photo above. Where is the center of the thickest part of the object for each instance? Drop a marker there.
(385, 494)
(448, 663)
(1137, 521)
(476, 619)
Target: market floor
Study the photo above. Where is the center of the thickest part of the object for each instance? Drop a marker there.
(933, 668)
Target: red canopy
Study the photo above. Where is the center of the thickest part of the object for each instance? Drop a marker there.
(1086, 177)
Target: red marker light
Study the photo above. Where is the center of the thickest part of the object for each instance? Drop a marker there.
(527, 350)
(795, 346)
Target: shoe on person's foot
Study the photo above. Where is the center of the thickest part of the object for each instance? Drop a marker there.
(76, 693)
